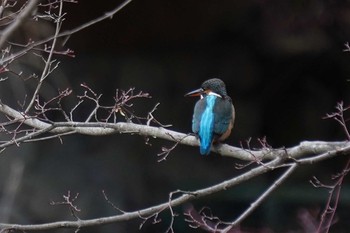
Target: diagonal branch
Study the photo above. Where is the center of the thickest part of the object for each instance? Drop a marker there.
(186, 197)
(8, 31)
(32, 45)
(106, 15)
(261, 198)
(327, 218)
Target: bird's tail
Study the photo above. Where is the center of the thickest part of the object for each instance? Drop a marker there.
(205, 145)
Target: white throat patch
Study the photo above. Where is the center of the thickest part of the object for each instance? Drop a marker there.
(213, 93)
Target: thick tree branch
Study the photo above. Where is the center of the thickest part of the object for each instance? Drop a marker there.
(99, 128)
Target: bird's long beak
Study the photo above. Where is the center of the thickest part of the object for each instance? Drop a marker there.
(197, 92)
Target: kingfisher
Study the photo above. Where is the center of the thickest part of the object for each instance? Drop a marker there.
(214, 114)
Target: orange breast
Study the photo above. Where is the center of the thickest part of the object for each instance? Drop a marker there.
(229, 129)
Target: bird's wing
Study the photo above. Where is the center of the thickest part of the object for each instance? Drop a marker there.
(224, 116)
(197, 114)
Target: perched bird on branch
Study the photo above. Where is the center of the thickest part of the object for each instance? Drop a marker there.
(214, 114)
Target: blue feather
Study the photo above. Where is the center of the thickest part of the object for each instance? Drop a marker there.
(207, 125)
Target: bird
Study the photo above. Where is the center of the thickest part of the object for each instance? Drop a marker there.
(214, 114)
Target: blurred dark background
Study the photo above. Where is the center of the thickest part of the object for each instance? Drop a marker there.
(284, 66)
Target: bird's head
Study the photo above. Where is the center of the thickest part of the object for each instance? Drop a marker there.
(212, 86)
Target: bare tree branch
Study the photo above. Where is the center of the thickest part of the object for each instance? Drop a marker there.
(24, 14)
(186, 197)
(48, 62)
(327, 218)
(261, 198)
(33, 44)
(99, 128)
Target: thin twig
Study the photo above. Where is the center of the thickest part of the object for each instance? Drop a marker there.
(328, 214)
(24, 14)
(107, 15)
(261, 198)
(46, 71)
